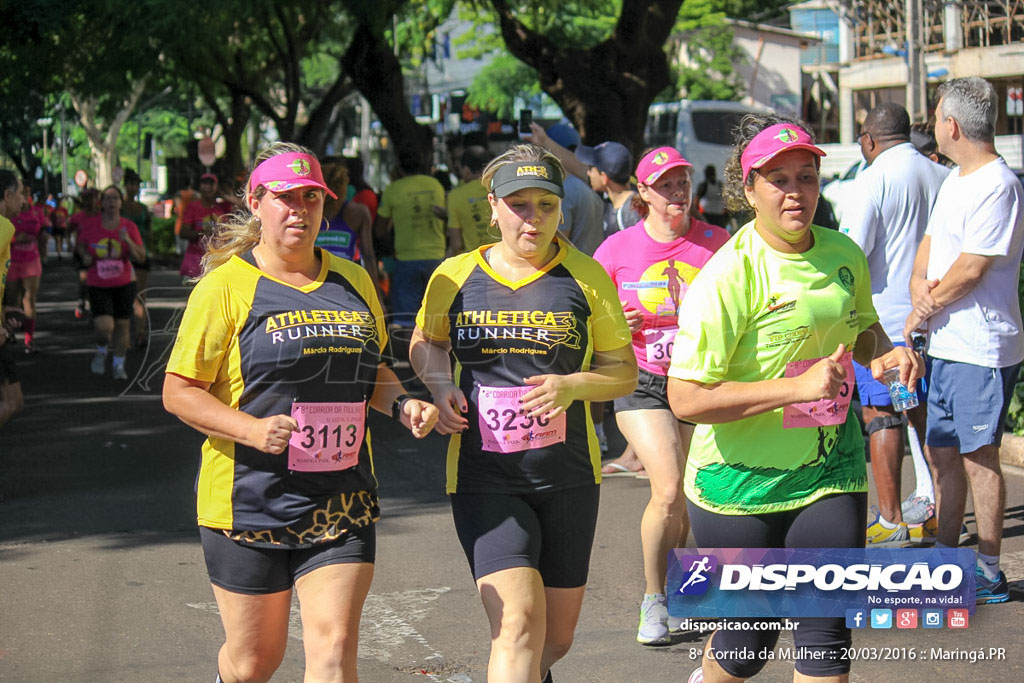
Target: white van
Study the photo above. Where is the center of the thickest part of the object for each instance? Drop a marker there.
(702, 131)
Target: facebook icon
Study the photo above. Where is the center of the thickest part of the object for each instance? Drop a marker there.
(856, 618)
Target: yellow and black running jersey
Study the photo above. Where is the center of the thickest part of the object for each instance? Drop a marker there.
(265, 345)
(502, 332)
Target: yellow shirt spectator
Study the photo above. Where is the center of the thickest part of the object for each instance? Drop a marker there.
(469, 213)
(419, 232)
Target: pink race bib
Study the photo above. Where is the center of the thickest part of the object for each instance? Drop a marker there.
(329, 436)
(109, 269)
(659, 345)
(504, 430)
(826, 411)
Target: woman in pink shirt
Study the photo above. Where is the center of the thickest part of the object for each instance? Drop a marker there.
(107, 244)
(26, 265)
(652, 264)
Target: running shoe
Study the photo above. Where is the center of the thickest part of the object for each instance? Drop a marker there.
(697, 676)
(120, 372)
(917, 509)
(924, 533)
(653, 628)
(927, 532)
(991, 591)
(99, 363)
(879, 536)
(675, 625)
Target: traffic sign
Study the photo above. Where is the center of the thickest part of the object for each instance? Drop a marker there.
(81, 177)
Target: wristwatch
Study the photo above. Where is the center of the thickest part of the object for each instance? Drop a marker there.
(396, 406)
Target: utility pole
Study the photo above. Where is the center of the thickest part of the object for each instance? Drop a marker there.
(917, 105)
(63, 152)
(45, 123)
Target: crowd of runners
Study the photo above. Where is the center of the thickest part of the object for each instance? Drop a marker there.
(557, 284)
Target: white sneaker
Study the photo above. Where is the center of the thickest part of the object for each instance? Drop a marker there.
(99, 363)
(120, 372)
(653, 628)
(675, 625)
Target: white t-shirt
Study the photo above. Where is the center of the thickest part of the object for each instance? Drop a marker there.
(980, 213)
(894, 197)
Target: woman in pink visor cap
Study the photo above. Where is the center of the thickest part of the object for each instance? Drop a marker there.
(763, 366)
(277, 359)
(652, 265)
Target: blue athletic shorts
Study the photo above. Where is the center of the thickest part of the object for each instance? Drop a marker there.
(968, 403)
(408, 285)
(874, 393)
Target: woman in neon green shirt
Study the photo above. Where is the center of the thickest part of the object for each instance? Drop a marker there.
(764, 368)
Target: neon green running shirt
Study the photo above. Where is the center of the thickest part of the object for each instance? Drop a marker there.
(751, 311)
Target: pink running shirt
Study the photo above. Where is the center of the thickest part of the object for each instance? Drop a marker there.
(653, 277)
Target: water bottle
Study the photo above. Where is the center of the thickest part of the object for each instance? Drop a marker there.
(902, 397)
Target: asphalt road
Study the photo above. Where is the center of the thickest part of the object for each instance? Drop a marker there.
(102, 576)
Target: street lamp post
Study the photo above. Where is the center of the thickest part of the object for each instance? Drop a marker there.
(45, 123)
(63, 152)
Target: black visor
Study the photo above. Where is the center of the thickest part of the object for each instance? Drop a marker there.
(514, 177)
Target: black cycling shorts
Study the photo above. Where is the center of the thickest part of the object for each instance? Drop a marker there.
(827, 638)
(553, 532)
(252, 570)
(651, 393)
(115, 301)
(8, 368)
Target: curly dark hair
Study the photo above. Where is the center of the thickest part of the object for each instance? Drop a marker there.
(636, 201)
(732, 175)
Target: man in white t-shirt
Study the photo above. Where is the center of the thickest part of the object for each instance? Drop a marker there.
(895, 194)
(964, 292)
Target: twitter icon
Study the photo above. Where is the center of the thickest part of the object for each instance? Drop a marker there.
(881, 618)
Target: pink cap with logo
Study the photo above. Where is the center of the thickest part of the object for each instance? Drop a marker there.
(656, 162)
(772, 141)
(288, 171)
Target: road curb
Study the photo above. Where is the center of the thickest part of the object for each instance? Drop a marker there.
(1011, 452)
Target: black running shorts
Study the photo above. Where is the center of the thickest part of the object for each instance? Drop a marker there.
(552, 532)
(252, 570)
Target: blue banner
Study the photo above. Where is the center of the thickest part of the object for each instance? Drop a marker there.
(816, 582)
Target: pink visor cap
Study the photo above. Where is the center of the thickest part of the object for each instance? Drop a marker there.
(656, 162)
(772, 141)
(288, 171)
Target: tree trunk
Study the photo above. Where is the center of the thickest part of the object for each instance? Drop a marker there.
(607, 89)
(323, 118)
(234, 164)
(377, 74)
(103, 142)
